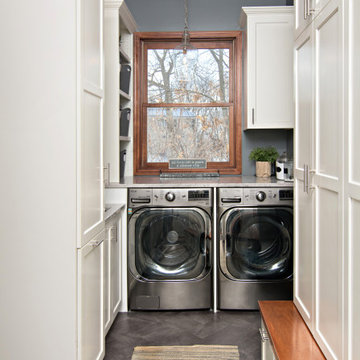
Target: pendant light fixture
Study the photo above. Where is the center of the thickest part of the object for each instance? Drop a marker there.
(185, 42)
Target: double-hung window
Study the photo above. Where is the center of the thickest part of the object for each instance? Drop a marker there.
(187, 106)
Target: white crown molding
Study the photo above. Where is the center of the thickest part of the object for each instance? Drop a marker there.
(112, 4)
(253, 10)
(127, 18)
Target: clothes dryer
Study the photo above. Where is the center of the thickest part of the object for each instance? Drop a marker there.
(255, 246)
(169, 249)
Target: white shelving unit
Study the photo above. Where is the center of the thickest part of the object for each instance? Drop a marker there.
(119, 26)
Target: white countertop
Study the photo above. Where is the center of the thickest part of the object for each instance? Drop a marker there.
(222, 181)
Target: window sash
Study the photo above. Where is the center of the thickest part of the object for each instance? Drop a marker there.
(206, 40)
(198, 44)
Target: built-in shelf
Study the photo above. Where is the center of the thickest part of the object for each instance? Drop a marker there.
(124, 138)
(124, 95)
(124, 57)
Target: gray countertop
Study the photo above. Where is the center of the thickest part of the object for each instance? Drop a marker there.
(222, 181)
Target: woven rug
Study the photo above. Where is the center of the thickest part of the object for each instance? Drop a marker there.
(194, 352)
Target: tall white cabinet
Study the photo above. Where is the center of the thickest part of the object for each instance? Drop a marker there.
(326, 182)
(52, 204)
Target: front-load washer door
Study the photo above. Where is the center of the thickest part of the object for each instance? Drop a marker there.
(257, 243)
(169, 243)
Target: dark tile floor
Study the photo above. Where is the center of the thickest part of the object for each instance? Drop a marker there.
(184, 328)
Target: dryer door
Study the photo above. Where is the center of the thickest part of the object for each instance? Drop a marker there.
(169, 243)
(257, 243)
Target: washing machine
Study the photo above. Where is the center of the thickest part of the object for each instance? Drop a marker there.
(169, 248)
(255, 246)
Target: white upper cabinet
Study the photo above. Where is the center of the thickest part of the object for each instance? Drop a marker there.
(268, 57)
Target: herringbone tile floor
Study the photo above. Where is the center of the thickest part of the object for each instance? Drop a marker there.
(184, 328)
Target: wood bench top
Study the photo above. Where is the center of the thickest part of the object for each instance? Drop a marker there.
(289, 335)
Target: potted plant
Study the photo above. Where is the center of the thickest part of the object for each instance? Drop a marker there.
(263, 156)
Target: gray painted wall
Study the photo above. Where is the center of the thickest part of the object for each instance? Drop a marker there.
(211, 15)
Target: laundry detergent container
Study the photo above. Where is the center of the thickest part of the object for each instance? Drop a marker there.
(124, 121)
(125, 74)
(122, 163)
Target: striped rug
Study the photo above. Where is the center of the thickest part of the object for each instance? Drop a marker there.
(194, 352)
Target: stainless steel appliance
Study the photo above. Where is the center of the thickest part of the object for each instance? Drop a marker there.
(255, 246)
(169, 247)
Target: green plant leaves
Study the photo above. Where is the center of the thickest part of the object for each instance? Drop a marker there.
(264, 154)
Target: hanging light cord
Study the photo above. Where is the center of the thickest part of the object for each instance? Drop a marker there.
(186, 14)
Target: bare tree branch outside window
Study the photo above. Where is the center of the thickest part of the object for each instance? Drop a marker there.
(197, 127)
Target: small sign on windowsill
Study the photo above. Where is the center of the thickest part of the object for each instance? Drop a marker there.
(187, 164)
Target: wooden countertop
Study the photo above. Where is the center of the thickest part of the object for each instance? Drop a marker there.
(289, 335)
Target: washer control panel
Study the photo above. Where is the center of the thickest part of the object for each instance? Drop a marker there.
(231, 197)
(170, 197)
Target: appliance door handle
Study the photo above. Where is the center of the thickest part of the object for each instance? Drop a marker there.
(231, 200)
(140, 200)
(206, 248)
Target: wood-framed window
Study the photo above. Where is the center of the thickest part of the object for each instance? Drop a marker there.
(187, 106)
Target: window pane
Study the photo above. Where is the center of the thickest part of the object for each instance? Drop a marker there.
(200, 76)
(188, 133)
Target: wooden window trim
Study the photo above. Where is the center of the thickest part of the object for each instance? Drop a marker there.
(141, 167)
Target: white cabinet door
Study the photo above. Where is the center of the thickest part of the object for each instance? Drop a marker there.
(328, 180)
(90, 300)
(304, 255)
(106, 279)
(90, 133)
(115, 294)
(112, 278)
(352, 180)
(269, 67)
